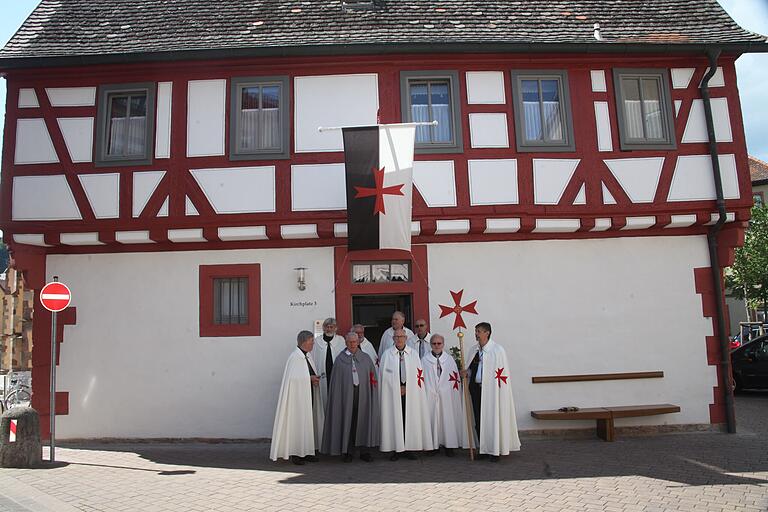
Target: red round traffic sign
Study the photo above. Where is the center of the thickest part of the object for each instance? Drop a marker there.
(55, 296)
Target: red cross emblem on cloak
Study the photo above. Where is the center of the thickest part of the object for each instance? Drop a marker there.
(419, 376)
(374, 382)
(455, 379)
(458, 309)
(379, 191)
(499, 377)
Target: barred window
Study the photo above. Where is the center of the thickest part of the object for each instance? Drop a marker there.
(230, 300)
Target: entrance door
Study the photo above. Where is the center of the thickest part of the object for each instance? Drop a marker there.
(375, 313)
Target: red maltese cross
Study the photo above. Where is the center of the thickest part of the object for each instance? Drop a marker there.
(455, 379)
(499, 377)
(379, 191)
(374, 382)
(419, 376)
(458, 309)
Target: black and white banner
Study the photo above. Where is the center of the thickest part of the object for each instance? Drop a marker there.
(379, 169)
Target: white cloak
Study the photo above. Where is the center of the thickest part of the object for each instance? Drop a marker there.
(418, 434)
(498, 425)
(367, 347)
(298, 427)
(445, 401)
(413, 342)
(388, 340)
(318, 353)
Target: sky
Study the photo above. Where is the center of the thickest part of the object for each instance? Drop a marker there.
(751, 69)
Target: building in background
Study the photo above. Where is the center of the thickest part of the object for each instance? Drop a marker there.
(164, 160)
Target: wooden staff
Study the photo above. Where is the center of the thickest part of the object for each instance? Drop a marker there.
(467, 399)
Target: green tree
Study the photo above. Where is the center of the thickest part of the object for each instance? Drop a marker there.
(748, 277)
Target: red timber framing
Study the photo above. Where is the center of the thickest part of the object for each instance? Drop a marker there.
(417, 288)
(178, 182)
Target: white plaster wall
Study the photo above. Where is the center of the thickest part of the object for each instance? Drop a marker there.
(565, 307)
(206, 117)
(135, 366)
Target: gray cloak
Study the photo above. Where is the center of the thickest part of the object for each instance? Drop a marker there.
(338, 414)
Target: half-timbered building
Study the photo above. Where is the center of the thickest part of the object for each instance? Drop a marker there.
(164, 160)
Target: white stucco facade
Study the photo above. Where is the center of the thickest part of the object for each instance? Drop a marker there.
(135, 365)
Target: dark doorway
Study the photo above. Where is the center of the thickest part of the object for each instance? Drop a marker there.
(375, 313)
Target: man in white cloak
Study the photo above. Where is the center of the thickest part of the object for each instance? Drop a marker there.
(491, 395)
(365, 345)
(327, 348)
(298, 427)
(420, 339)
(404, 416)
(444, 398)
(387, 338)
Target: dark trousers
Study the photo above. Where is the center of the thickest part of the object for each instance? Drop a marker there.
(353, 425)
(476, 395)
(402, 401)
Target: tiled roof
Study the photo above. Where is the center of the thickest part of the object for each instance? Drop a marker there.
(758, 170)
(72, 28)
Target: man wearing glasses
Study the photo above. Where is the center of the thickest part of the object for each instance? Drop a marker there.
(444, 397)
(420, 340)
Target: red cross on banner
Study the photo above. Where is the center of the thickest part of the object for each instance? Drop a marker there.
(380, 191)
(455, 379)
(458, 309)
(499, 377)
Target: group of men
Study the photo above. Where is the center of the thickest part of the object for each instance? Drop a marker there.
(339, 395)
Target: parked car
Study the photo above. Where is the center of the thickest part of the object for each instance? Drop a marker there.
(750, 364)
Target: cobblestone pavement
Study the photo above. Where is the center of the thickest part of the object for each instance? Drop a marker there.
(695, 471)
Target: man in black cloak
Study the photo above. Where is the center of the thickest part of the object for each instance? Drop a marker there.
(352, 416)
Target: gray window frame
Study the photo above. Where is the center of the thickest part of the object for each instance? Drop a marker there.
(455, 146)
(665, 96)
(524, 146)
(236, 84)
(101, 159)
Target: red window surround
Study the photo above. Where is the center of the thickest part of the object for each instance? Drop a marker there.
(210, 272)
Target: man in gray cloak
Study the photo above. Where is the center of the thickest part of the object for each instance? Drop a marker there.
(352, 416)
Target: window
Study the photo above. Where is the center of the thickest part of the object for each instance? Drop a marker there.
(230, 300)
(381, 272)
(428, 96)
(542, 111)
(644, 108)
(126, 124)
(758, 198)
(259, 119)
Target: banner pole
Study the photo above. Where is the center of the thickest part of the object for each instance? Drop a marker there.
(467, 398)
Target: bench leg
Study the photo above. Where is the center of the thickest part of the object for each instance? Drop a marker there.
(605, 429)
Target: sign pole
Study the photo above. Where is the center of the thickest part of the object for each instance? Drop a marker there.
(53, 385)
(54, 297)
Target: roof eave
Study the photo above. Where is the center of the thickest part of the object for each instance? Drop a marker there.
(12, 63)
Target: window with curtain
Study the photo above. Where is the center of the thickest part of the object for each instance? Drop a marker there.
(542, 111)
(258, 119)
(127, 130)
(429, 96)
(125, 124)
(230, 300)
(644, 109)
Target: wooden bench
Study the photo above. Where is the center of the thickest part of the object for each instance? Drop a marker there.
(605, 415)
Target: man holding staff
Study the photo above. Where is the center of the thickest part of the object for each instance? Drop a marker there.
(491, 395)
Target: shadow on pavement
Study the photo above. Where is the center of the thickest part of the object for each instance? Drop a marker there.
(692, 459)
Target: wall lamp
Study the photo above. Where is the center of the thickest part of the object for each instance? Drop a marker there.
(301, 277)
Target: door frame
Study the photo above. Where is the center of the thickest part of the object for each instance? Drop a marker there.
(418, 287)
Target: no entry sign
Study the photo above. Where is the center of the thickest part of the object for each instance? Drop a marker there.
(55, 296)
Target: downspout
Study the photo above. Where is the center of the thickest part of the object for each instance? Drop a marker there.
(725, 357)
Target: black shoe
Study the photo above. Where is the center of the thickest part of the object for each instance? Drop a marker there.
(366, 457)
(346, 457)
(297, 460)
(449, 452)
(311, 458)
(493, 458)
(411, 456)
(395, 456)
(481, 456)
